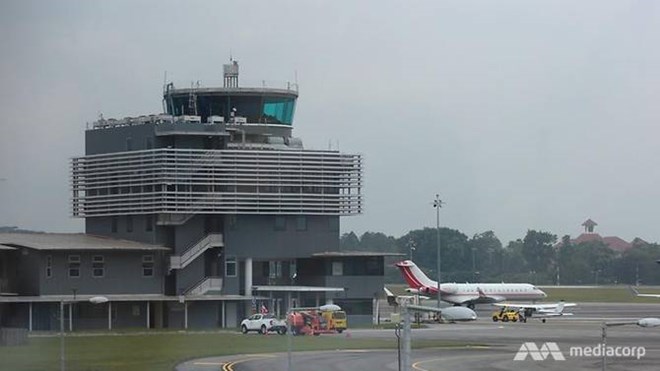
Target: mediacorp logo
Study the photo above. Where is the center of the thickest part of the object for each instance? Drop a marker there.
(551, 349)
(539, 354)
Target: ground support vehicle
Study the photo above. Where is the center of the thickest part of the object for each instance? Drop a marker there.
(263, 323)
(506, 315)
(327, 319)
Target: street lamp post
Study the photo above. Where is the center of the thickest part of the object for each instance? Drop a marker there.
(411, 246)
(437, 203)
(62, 362)
(94, 300)
(644, 322)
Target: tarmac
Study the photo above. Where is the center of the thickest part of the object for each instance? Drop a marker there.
(563, 343)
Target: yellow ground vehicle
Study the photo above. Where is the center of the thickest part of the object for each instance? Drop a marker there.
(335, 319)
(506, 315)
(326, 319)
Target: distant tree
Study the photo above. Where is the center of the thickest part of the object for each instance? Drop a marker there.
(349, 242)
(376, 241)
(538, 251)
(487, 253)
(638, 263)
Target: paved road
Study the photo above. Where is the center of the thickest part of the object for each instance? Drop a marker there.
(502, 340)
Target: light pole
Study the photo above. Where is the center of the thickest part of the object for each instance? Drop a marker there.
(644, 322)
(94, 300)
(437, 203)
(411, 246)
(62, 362)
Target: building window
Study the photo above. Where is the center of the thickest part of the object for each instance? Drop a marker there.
(129, 144)
(149, 143)
(301, 223)
(98, 266)
(230, 266)
(129, 224)
(280, 223)
(333, 223)
(149, 226)
(74, 266)
(114, 224)
(275, 269)
(49, 266)
(337, 268)
(233, 222)
(147, 266)
(293, 270)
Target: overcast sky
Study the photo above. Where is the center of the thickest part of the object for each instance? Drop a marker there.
(520, 114)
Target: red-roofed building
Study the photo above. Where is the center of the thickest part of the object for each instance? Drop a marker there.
(613, 242)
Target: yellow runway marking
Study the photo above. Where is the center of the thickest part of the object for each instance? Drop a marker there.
(208, 363)
(230, 365)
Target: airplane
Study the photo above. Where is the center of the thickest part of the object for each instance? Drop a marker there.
(636, 293)
(449, 314)
(468, 294)
(541, 311)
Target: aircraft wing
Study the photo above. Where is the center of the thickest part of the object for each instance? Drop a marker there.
(451, 314)
(476, 299)
(537, 307)
(636, 293)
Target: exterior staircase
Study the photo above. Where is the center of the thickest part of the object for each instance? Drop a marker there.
(192, 252)
(205, 285)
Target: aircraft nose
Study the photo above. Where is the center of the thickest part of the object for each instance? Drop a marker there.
(543, 294)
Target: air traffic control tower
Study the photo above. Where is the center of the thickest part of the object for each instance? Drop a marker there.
(220, 179)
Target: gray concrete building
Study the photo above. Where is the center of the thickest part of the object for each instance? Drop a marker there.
(194, 218)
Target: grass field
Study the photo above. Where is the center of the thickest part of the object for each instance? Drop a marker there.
(128, 352)
(605, 294)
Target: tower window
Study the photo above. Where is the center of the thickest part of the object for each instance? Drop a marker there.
(74, 266)
(49, 266)
(301, 223)
(147, 266)
(230, 266)
(280, 223)
(98, 266)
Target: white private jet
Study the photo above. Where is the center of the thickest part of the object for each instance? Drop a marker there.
(467, 294)
(541, 311)
(636, 293)
(449, 314)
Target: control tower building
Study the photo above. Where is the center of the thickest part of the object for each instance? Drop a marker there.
(248, 217)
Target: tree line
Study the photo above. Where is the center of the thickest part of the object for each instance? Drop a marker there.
(538, 258)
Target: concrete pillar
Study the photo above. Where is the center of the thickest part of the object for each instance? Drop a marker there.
(185, 315)
(318, 299)
(30, 319)
(148, 314)
(248, 276)
(70, 317)
(158, 314)
(109, 315)
(224, 314)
